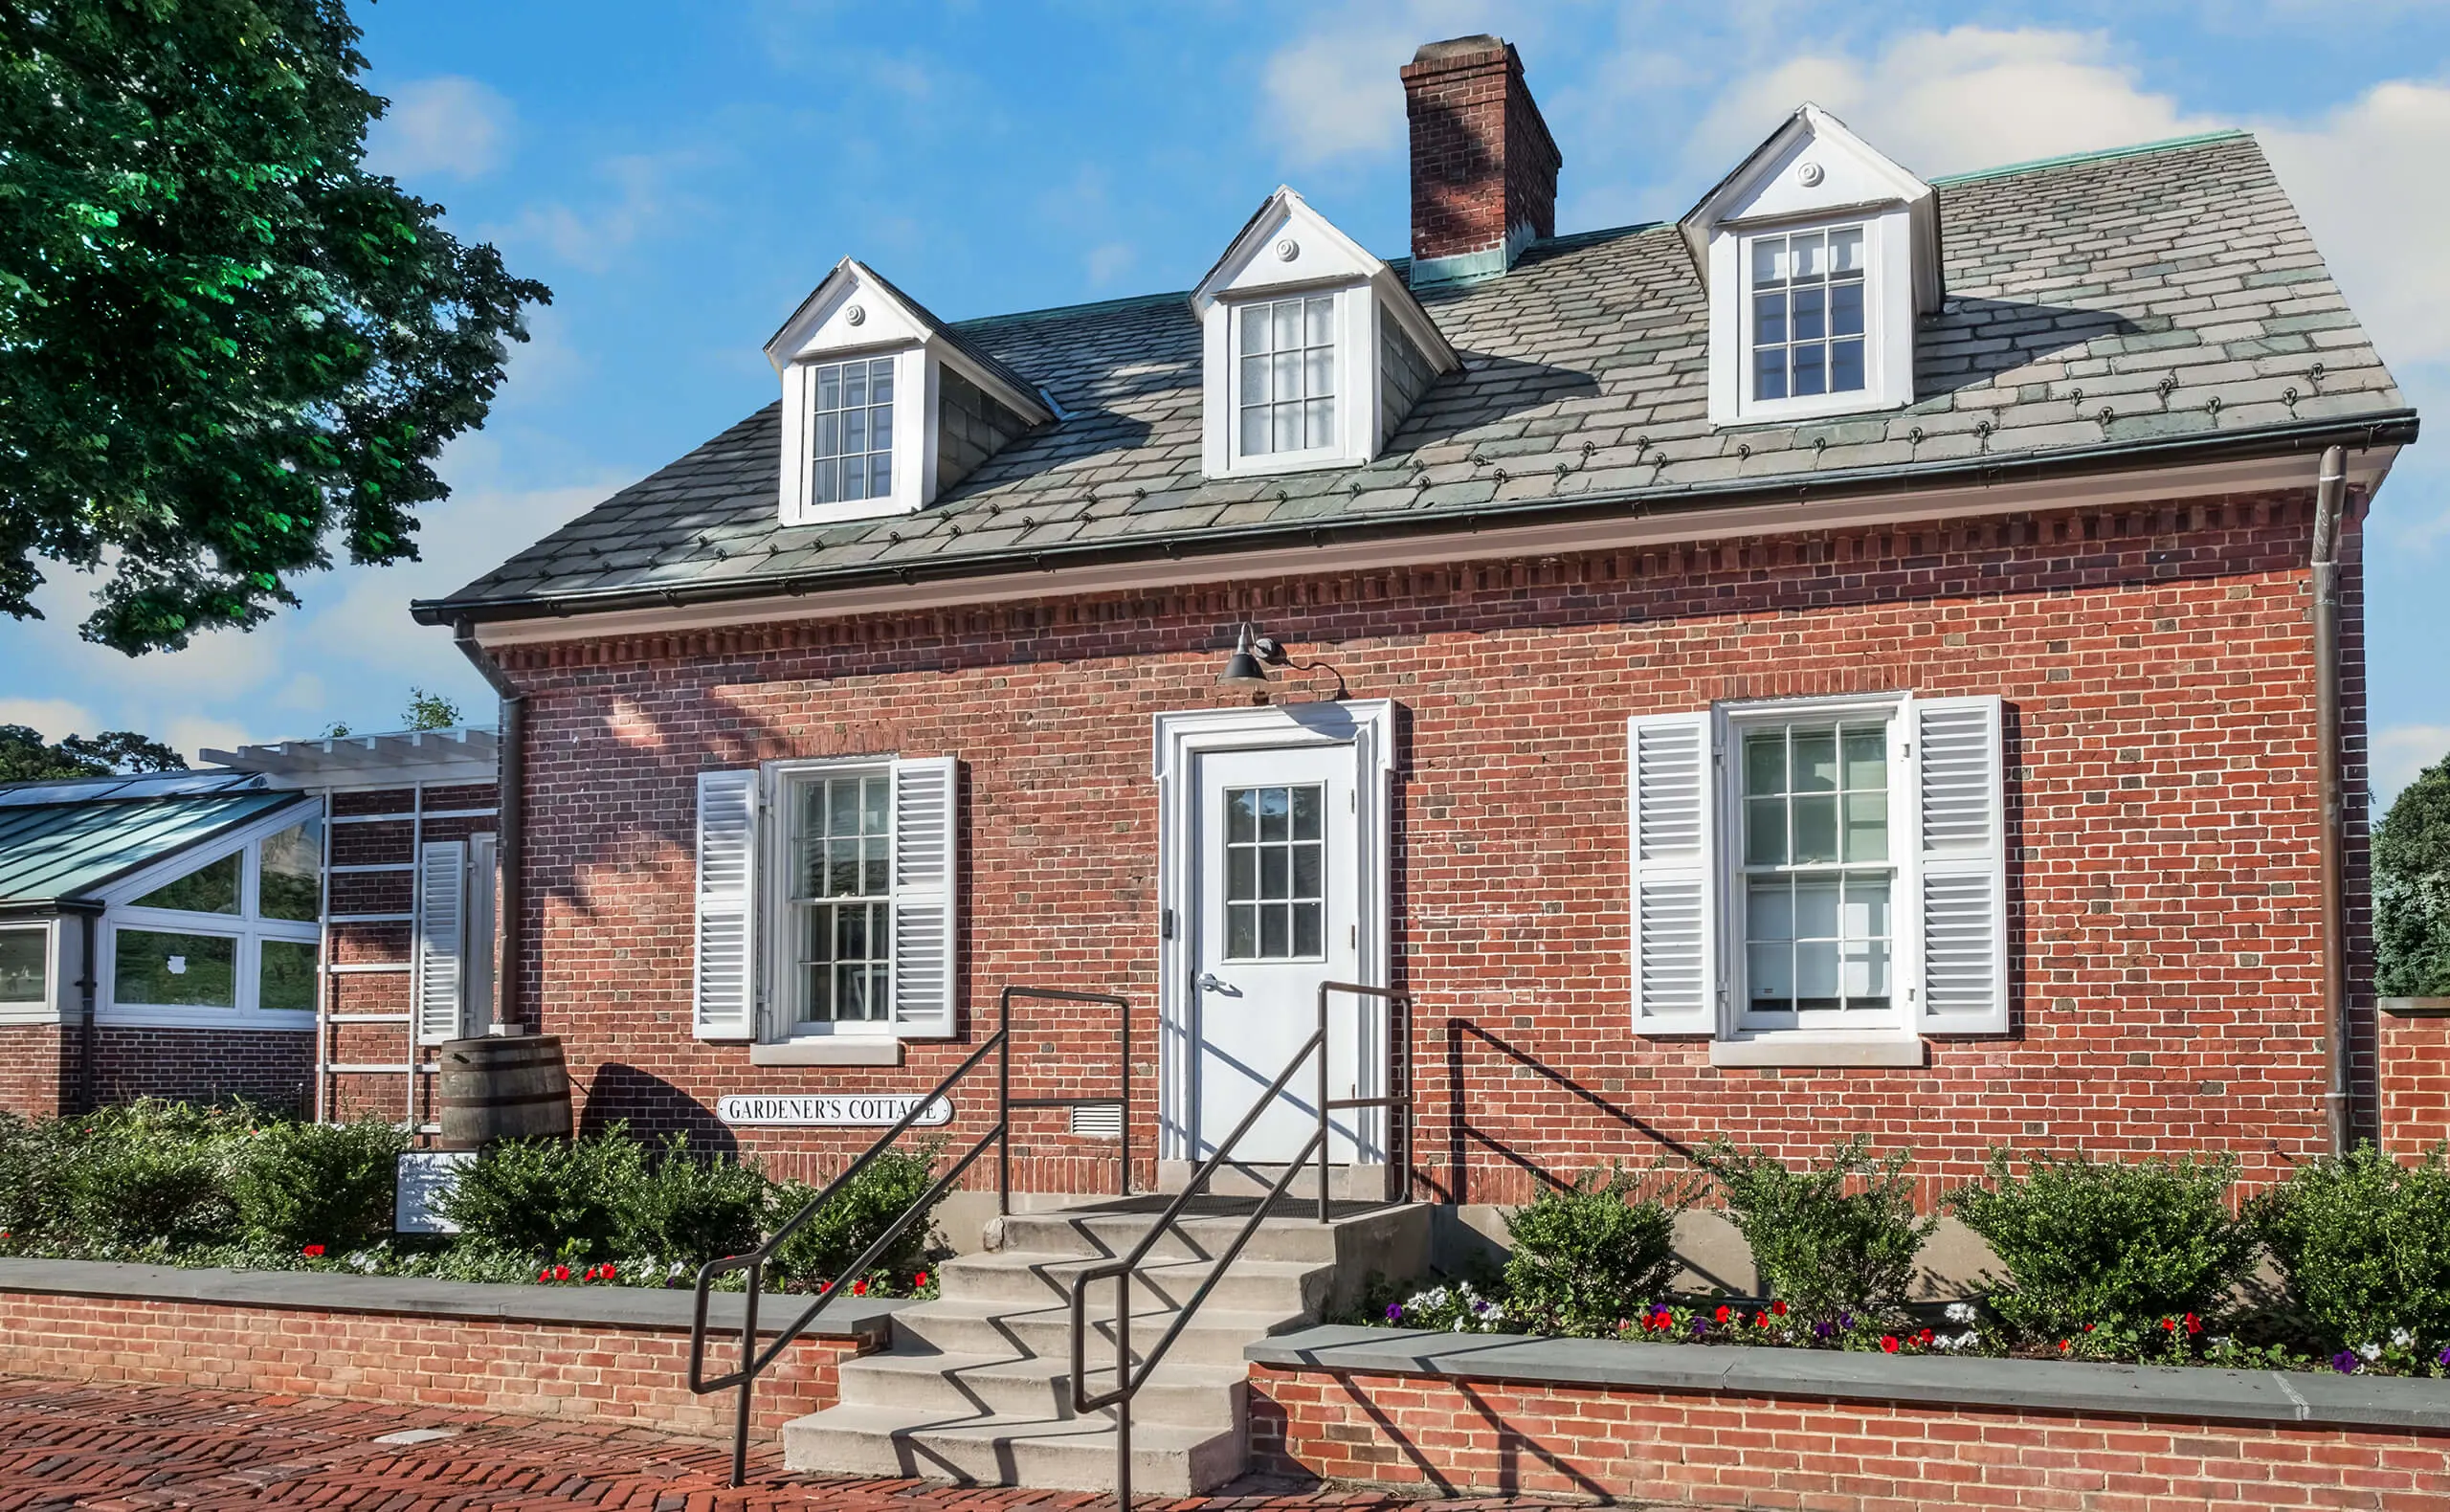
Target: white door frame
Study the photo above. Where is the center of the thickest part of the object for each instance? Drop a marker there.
(1368, 726)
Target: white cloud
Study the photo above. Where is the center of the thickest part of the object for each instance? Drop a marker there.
(444, 128)
(588, 238)
(2358, 175)
(1334, 92)
(191, 735)
(1110, 260)
(53, 718)
(2402, 752)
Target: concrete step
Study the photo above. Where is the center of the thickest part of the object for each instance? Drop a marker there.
(940, 1385)
(1057, 1454)
(1033, 1278)
(1214, 1336)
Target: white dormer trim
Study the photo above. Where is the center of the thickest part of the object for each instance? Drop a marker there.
(1814, 173)
(856, 314)
(1289, 250)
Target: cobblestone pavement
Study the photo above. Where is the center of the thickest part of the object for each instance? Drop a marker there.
(123, 1449)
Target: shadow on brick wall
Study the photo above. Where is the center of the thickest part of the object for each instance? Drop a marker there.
(651, 1106)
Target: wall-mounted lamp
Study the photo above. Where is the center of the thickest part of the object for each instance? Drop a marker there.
(1246, 668)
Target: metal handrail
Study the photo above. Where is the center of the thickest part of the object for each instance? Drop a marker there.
(753, 1361)
(1129, 1381)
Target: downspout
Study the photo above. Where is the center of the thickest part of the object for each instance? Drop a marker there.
(2330, 488)
(510, 831)
(88, 1036)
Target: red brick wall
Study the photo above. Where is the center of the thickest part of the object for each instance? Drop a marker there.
(38, 1065)
(2156, 663)
(530, 1369)
(37, 1069)
(2416, 1083)
(1483, 161)
(1723, 1450)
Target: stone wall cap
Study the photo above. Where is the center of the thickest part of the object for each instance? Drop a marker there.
(865, 1319)
(2038, 1386)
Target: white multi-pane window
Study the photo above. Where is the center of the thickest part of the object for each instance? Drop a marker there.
(841, 900)
(851, 430)
(1287, 385)
(1275, 862)
(1818, 878)
(1807, 313)
(237, 935)
(24, 967)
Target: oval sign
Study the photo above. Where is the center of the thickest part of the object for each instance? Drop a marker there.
(827, 1110)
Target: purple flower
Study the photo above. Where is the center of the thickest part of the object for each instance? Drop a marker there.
(2444, 1356)
(1480, 1306)
(1394, 1312)
(1700, 1325)
(1823, 1330)
(2345, 1363)
(1846, 1321)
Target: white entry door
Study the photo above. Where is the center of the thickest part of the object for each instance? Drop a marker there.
(1277, 870)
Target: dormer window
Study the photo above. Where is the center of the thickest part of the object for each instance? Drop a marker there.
(886, 407)
(1312, 351)
(1286, 388)
(1807, 313)
(1816, 254)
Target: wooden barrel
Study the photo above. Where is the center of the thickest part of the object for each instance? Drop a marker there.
(516, 1086)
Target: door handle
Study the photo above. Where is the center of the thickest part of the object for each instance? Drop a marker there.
(1209, 983)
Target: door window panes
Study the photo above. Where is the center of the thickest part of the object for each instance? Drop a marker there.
(288, 878)
(851, 427)
(1276, 864)
(1287, 352)
(286, 976)
(23, 969)
(1807, 293)
(159, 968)
(209, 889)
(1818, 885)
(842, 896)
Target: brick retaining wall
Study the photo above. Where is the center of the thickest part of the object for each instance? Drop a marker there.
(603, 1372)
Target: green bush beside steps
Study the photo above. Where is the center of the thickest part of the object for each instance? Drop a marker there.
(235, 1184)
(2147, 1261)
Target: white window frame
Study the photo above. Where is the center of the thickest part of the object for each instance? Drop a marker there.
(247, 928)
(914, 421)
(778, 1016)
(46, 1007)
(1357, 348)
(1888, 319)
(1728, 874)
(1340, 394)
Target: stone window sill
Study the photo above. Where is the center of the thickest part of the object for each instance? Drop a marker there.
(845, 1051)
(1801, 1051)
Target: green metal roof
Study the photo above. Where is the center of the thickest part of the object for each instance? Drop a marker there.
(63, 851)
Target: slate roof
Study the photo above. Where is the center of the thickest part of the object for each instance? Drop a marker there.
(65, 850)
(2101, 310)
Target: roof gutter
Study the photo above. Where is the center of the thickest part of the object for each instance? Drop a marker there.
(2331, 490)
(510, 831)
(2392, 428)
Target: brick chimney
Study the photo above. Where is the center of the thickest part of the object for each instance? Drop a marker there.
(1484, 168)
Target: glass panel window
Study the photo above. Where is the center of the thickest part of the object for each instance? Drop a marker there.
(851, 430)
(209, 889)
(23, 970)
(841, 898)
(285, 978)
(287, 877)
(1817, 882)
(1285, 353)
(1275, 863)
(158, 968)
(1807, 305)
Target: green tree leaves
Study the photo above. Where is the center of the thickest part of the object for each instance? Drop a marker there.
(2412, 890)
(222, 341)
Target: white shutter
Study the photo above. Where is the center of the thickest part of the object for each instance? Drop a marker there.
(1960, 850)
(1674, 940)
(438, 980)
(924, 811)
(724, 1000)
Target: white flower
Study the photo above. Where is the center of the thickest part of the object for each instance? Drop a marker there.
(1458, 1326)
(2370, 1351)
(2401, 1338)
(1960, 1312)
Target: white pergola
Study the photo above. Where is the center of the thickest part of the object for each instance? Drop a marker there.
(461, 754)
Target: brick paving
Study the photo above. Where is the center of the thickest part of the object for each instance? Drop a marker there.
(128, 1448)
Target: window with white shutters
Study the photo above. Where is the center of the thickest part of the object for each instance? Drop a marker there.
(1960, 785)
(440, 965)
(1675, 955)
(725, 1002)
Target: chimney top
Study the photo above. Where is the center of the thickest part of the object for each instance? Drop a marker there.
(1484, 168)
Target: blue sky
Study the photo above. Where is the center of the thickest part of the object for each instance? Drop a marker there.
(683, 173)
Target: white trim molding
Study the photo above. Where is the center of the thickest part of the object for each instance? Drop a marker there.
(1179, 739)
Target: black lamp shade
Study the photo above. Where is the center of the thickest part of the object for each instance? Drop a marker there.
(1243, 667)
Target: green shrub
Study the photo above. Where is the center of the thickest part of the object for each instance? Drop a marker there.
(2113, 1243)
(1588, 1255)
(692, 1209)
(824, 1247)
(2365, 1243)
(1821, 1249)
(549, 1197)
(35, 1156)
(152, 1173)
(2411, 889)
(328, 1184)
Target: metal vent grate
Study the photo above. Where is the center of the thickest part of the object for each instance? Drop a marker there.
(1098, 1120)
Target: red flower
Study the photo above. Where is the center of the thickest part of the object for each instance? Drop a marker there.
(591, 1274)
(544, 1274)
(2088, 1327)
(313, 1252)
(561, 1273)
(2194, 1325)
(1924, 1338)
(1780, 1308)
(2169, 1325)
(1761, 1320)
(858, 1288)
(822, 1287)
(1724, 1312)
(1888, 1344)
(2062, 1346)
(608, 1271)
(920, 1279)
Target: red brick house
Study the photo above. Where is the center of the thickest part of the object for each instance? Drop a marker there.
(1853, 658)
